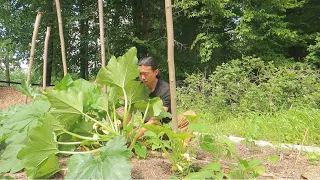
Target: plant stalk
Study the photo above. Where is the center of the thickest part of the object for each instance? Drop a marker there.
(106, 127)
(137, 135)
(69, 143)
(79, 136)
(83, 152)
(125, 109)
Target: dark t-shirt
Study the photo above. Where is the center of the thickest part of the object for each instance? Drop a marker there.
(162, 90)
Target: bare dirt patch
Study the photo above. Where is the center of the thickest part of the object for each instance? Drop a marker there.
(157, 167)
(9, 96)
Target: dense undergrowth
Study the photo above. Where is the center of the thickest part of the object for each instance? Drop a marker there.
(257, 100)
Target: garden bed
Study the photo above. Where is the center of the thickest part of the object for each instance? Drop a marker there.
(155, 166)
(290, 164)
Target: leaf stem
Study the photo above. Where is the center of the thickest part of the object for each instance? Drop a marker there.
(106, 127)
(115, 117)
(82, 152)
(109, 118)
(69, 143)
(137, 135)
(80, 137)
(125, 118)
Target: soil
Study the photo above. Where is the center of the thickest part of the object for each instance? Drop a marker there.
(290, 165)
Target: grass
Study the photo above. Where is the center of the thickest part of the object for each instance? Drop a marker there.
(286, 126)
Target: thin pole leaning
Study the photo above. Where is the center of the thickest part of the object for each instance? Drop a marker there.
(172, 74)
(63, 49)
(33, 46)
(45, 58)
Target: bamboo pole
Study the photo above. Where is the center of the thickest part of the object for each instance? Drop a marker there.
(45, 58)
(101, 25)
(171, 66)
(63, 49)
(33, 46)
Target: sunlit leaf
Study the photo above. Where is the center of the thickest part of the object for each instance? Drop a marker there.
(213, 166)
(136, 91)
(67, 106)
(120, 71)
(111, 163)
(91, 92)
(23, 118)
(140, 150)
(64, 84)
(199, 127)
(199, 175)
(260, 170)
(273, 158)
(41, 144)
(155, 108)
(8, 160)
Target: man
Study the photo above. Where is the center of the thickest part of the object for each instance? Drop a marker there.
(149, 75)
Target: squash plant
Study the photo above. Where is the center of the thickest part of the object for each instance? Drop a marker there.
(78, 118)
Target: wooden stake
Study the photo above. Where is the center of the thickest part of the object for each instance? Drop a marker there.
(172, 75)
(45, 58)
(101, 25)
(33, 46)
(63, 51)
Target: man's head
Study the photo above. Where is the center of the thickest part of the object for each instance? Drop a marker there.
(149, 72)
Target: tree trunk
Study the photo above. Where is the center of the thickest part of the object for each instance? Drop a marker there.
(7, 72)
(83, 41)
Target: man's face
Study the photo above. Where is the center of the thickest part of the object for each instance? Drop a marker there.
(147, 75)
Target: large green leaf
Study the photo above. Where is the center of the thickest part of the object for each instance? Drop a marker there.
(21, 119)
(155, 108)
(120, 71)
(91, 92)
(37, 151)
(8, 160)
(112, 163)
(67, 106)
(136, 91)
(160, 130)
(48, 168)
(64, 84)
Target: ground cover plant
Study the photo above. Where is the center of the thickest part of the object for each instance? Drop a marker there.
(258, 100)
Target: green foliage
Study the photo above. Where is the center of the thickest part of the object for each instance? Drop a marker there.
(38, 153)
(222, 147)
(111, 164)
(155, 138)
(8, 160)
(77, 114)
(251, 85)
(256, 100)
(26, 89)
(314, 51)
(284, 126)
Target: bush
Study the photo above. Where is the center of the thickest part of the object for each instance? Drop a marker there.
(250, 85)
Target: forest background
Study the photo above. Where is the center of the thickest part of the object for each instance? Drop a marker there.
(244, 62)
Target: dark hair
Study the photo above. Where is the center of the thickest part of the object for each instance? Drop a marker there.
(149, 61)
